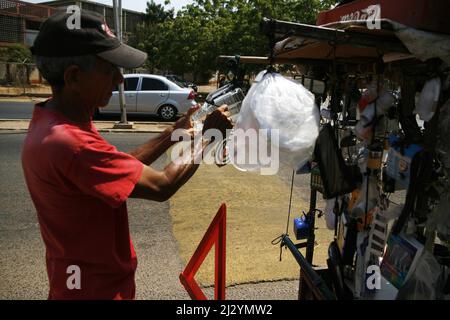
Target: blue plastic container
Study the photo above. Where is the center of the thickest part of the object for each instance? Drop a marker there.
(301, 228)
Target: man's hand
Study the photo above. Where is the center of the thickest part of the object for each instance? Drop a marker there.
(161, 185)
(185, 121)
(218, 119)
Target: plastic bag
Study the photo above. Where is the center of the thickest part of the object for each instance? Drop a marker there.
(391, 211)
(330, 216)
(368, 95)
(278, 104)
(443, 146)
(426, 281)
(439, 219)
(364, 126)
(428, 100)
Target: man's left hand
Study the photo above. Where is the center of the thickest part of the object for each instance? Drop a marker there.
(185, 121)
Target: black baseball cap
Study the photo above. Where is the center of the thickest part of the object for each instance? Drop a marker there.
(56, 39)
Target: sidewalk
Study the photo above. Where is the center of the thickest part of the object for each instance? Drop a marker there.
(11, 94)
(43, 92)
(22, 99)
(19, 126)
(33, 91)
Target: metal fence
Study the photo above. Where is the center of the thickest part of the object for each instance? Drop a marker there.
(21, 79)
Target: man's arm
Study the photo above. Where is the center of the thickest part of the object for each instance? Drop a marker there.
(161, 185)
(154, 148)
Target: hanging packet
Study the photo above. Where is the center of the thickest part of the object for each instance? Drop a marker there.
(399, 161)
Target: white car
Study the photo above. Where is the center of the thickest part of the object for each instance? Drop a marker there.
(151, 94)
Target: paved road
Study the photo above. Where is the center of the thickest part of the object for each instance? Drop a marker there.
(22, 267)
(16, 110)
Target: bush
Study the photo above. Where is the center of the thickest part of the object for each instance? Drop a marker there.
(15, 58)
(15, 53)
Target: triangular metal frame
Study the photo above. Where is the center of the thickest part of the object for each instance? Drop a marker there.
(215, 235)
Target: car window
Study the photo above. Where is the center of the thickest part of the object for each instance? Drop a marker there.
(130, 84)
(177, 81)
(180, 84)
(149, 84)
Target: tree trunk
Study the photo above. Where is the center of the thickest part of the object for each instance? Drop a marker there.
(8, 74)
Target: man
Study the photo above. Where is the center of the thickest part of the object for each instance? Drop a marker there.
(78, 182)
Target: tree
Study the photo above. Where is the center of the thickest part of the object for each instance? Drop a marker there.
(205, 29)
(149, 33)
(15, 53)
(155, 13)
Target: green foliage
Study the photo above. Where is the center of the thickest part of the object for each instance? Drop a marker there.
(157, 14)
(200, 32)
(15, 53)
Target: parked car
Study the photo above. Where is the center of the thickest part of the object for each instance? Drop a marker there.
(151, 94)
(182, 81)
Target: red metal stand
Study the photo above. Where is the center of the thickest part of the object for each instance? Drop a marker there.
(216, 234)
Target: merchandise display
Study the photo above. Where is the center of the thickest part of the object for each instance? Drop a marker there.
(384, 173)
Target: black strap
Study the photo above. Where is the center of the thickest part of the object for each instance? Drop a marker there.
(420, 173)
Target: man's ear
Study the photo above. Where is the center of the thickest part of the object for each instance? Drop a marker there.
(72, 77)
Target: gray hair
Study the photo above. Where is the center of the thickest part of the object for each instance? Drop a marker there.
(53, 68)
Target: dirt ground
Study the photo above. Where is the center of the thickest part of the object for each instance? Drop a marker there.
(257, 210)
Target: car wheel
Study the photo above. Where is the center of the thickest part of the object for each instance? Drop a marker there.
(167, 112)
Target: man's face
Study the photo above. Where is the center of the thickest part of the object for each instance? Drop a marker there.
(97, 85)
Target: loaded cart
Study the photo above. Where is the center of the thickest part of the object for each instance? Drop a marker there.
(382, 157)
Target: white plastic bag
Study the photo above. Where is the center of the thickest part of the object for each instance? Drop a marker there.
(330, 216)
(384, 102)
(275, 103)
(443, 146)
(439, 219)
(429, 97)
(426, 281)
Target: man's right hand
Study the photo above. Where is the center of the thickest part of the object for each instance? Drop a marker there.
(218, 119)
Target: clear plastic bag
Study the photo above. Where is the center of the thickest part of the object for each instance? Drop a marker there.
(364, 127)
(426, 282)
(330, 216)
(276, 103)
(443, 146)
(439, 218)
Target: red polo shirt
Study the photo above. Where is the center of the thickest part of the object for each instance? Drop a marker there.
(79, 184)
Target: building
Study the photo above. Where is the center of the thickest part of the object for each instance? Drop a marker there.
(20, 20)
